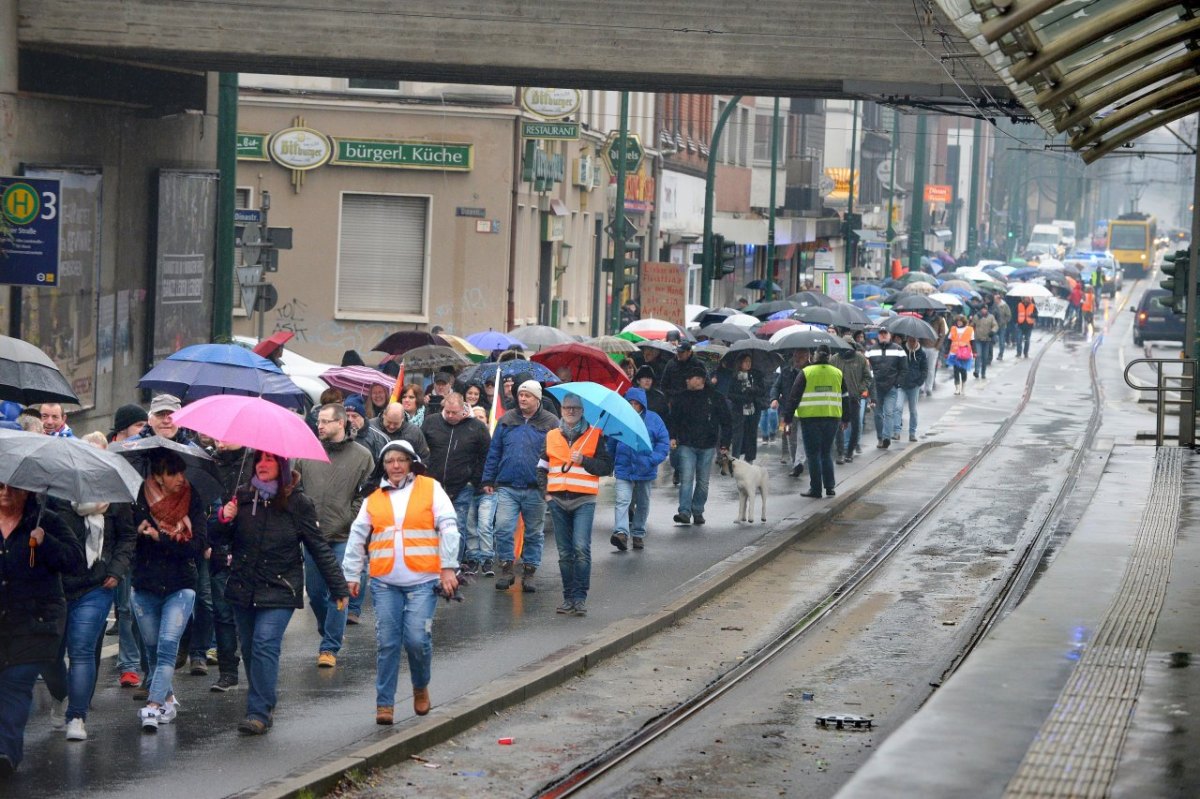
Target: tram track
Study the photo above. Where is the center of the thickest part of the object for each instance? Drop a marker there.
(1023, 568)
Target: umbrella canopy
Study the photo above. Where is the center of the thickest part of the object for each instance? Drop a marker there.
(608, 412)
(966, 294)
(356, 379)
(947, 299)
(742, 320)
(726, 333)
(710, 351)
(919, 287)
(779, 335)
(272, 342)
(463, 347)
(534, 337)
(768, 329)
(199, 472)
(692, 312)
(402, 341)
(850, 316)
(652, 328)
(1006, 269)
(433, 357)
(203, 370)
(957, 284)
(917, 302)
(652, 344)
(1028, 290)
(763, 285)
(253, 423)
(909, 326)
(816, 315)
(66, 468)
(612, 344)
(864, 290)
(809, 340)
(586, 364)
(715, 316)
(1046, 262)
(489, 340)
(763, 356)
(486, 372)
(1023, 273)
(803, 298)
(763, 310)
(788, 314)
(922, 277)
(28, 376)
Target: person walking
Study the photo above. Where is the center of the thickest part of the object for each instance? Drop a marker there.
(458, 448)
(822, 403)
(792, 451)
(267, 523)
(673, 384)
(962, 355)
(933, 353)
(747, 398)
(232, 468)
(1087, 307)
(1004, 316)
(54, 421)
(635, 471)
(1027, 316)
(856, 377)
(646, 379)
(406, 536)
(334, 486)
(700, 424)
(364, 433)
(412, 399)
(170, 521)
(985, 326)
(889, 362)
(35, 552)
(395, 426)
(575, 457)
(128, 422)
(910, 388)
(510, 472)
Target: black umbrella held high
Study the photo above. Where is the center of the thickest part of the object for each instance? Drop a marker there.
(763, 356)
(764, 309)
(815, 315)
(65, 468)
(909, 326)
(28, 376)
(810, 340)
(725, 332)
(850, 317)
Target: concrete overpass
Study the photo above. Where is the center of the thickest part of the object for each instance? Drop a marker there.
(823, 48)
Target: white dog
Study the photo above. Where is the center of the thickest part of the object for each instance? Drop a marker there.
(750, 480)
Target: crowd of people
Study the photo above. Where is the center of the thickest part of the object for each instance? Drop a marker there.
(422, 488)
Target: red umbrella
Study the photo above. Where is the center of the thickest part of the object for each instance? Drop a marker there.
(587, 364)
(402, 341)
(771, 328)
(272, 342)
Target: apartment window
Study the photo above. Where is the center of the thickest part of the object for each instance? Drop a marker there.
(382, 256)
(373, 84)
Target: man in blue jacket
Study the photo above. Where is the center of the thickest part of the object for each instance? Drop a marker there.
(511, 474)
(635, 471)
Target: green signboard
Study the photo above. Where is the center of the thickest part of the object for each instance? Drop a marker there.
(567, 131)
(403, 154)
(633, 152)
(252, 146)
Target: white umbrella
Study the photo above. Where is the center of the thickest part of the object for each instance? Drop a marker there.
(946, 298)
(1028, 290)
(651, 326)
(692, 312)
(742, 320)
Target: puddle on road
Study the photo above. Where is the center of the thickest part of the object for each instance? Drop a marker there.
(863, 511)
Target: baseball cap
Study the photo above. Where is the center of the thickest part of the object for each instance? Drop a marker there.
(165, 402)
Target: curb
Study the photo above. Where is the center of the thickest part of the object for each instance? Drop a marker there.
(474, 707)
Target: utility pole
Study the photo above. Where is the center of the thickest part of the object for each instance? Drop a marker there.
(973, 204)
(710, 181)
(227, 100)
(618, 279)
(916, 221)
(771, 213)
(849, 234)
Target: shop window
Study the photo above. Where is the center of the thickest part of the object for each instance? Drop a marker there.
(382, 256)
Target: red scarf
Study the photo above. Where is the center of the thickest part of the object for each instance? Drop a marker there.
(170, 511)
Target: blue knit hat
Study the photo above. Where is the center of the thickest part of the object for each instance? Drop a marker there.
(355, 403)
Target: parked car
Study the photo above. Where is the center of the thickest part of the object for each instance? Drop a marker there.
(1155, 321)
(1087, 261)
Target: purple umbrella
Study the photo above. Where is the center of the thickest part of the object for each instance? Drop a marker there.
(489, 340)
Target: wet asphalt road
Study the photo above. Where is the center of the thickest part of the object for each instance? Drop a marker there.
(490, 635)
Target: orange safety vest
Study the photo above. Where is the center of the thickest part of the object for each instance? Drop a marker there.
(419, 538)
(564, 474)
(961, 337)
(1089, 302)
(1025, 312)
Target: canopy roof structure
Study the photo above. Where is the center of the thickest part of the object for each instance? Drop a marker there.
(1102, 71)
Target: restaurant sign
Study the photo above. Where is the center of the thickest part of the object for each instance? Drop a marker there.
(300, 148)
(403, 154)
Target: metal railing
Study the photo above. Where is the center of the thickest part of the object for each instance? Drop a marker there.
(1183, 383)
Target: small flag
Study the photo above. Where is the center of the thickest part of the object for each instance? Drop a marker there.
(398, 388)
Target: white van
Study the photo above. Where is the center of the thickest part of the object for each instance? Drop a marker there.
(1067, 231)
(1044, 240)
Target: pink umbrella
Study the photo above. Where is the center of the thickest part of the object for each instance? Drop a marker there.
(357, 379)
(253, 423)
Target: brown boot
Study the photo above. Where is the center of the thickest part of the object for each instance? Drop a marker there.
(421, 703)
(527, 583)
(505, 580)
(384, 715)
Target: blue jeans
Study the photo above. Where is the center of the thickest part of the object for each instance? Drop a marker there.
(846, 441)
(355, 605)
(481, 528)
(225, 626)
(403, 620)
(261, 633)
(695, 467)
(573, 535)
(636, 493)
(16, 699)
(818, 446)
(931, 361)
(86, 618)
(161, 620)
(1001, 341)
(331, 622)
(983, 356)
(529, 503)
(202, 614)
(885, 409)
(462, 508)
(129, 650)
(906, 396)
(1024, 334)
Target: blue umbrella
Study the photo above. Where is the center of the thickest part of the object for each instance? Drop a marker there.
(966, 294)
(864, 290)
(1024, 272)
(493, 340)
(608, 412)
(482, 372)
(206, 369)
(781, 315)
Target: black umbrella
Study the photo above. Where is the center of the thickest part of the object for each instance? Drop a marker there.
(812, 298)
(28, 376)
(909, 326)
(65, 468)
(850, 316)
(761, 285)
(726, 333)
(199, 464)
(652, 344)
(918, 302)
(715, 316)
(402, 341)
(815, 315)
(763, 356)
(764, 309)
(810, 340)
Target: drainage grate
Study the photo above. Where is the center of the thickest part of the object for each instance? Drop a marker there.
(1077, 750)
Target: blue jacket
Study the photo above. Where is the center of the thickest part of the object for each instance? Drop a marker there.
(628, 463)
(516, 446)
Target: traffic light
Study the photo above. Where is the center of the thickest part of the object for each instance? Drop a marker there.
(725, 255)
(1178, 269)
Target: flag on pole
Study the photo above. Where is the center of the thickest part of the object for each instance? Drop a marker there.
(493, 413)
(398, 387)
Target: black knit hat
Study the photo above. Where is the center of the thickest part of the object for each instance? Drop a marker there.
(128, 415)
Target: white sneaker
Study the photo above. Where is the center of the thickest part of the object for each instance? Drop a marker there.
(76, 731)
(58, 714)
(150, 717)
(168, 712)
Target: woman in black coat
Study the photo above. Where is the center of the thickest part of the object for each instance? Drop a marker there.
(33, 610)
(265, 526)
(747, 398)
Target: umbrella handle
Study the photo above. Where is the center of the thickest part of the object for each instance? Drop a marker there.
(32, 543)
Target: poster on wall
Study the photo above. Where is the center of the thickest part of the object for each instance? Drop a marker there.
(104, 336)
(124, 332)
(662, 291)
(184, 250)
(62, 320)
(836, 285)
